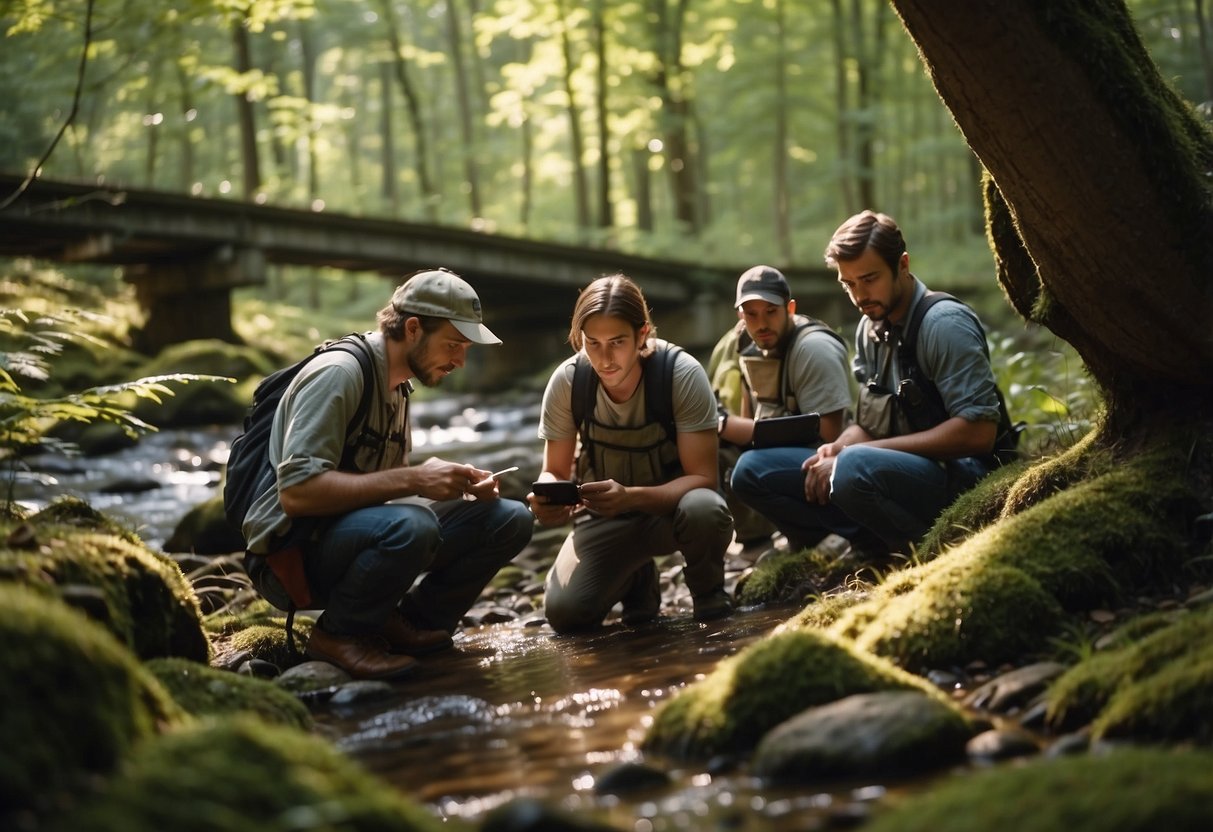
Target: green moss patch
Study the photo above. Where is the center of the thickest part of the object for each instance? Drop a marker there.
(260, 631)
(781, 578)
(752, 692)
(1155, 687)
(75, 700)
(204, 691)
(139, 595)
(958, 612)
(1129, 790)
(243, 774)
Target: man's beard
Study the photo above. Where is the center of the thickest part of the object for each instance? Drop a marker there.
(416, 359)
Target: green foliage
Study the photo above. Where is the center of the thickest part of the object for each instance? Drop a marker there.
(29, 343)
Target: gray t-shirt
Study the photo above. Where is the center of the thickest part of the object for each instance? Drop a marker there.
(694, 404)
(951, 351)
(817, 373)
(308, 434)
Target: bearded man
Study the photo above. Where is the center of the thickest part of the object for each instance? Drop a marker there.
(393, 576)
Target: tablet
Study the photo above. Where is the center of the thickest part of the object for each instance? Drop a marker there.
(802, 431)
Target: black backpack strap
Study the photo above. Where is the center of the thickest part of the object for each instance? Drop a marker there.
(802, 328)
(659, 388)
(356, 345)
(1007, 441)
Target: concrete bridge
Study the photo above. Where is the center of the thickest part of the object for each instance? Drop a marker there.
(185, 254)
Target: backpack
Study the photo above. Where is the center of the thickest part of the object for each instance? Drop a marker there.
(249, 473)
(920, 400)
(724, 370)
(744, 341)
(658, 391)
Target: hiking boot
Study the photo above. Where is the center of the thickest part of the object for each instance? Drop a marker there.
(403, 636)
(361, 656)
(712, 605)
(642, 601)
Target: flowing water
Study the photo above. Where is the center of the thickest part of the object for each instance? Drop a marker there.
(514, 710)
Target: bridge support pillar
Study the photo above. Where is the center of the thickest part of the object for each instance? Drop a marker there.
(185, 301)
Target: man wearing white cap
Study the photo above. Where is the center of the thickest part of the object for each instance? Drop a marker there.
(364, 560)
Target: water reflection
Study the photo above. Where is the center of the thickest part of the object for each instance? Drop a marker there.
(517, 711)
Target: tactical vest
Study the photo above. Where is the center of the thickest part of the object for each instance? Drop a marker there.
(641, 456)
(766, 376)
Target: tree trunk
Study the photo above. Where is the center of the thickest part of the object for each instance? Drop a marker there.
(581, 195)
(1101, 177)
(244, 113)
(307, 66)
(390, 190)
(412, 101)
(670, 81)
(464, 98)
(606, 213)
(783, 218)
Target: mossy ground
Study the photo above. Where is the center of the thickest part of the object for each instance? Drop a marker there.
(1126, 790)
(243, 774)
(76, 701)
(1155, 684)
(1080, 531)
(206, 692)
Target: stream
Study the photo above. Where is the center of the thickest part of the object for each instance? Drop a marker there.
(514, 710)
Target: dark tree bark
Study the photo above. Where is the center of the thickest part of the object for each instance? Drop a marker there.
(581, 194)
(1099, 205)
(245, 115)
(606, 213)
(670, 81)
(782, 212)
(463, 95)
(412, 101)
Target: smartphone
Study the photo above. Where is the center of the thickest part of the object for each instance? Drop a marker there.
(558, 492)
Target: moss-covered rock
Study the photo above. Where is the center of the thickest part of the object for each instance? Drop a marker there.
(204, 530)
(958, 612)
(257, 631)
(75, 701)
(204, 691)
(782, 578)
(752, 692)
(242, 774)
(139, 595)
(1155, 686)
(199, 402)
(1128, 790)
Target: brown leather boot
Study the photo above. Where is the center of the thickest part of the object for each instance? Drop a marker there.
(403, 636)
(361, 656)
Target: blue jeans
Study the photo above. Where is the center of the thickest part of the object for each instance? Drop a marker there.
(876, 495)
(363, 564)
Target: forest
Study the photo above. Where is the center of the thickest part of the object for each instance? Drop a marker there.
(742, 129)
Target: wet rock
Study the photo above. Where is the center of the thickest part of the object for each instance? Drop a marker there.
(358, 692)
(945, 679)
(311, 676)
(1014, 689)
(1078, 742)
(259, 668)
(868, 734)
(129, 486)
(630, 777)
(1001, 744)
(530, 815)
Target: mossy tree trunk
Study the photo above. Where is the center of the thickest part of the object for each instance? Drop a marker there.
(1098, 193)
